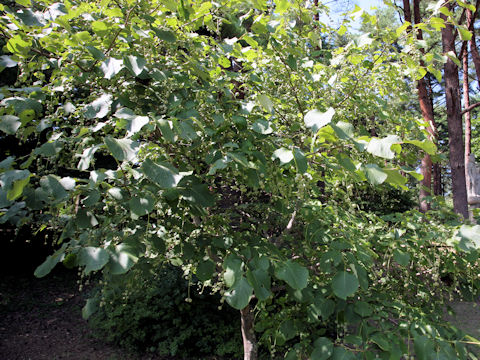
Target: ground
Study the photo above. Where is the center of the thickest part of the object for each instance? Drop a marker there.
(41, 319)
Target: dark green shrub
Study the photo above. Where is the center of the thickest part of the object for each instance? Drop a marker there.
(149, 310)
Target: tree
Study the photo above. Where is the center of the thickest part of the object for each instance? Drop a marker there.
(197, 133)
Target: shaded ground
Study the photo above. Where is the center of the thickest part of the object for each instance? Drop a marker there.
(467, 318)
(41, 319)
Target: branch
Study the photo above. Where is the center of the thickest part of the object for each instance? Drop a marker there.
(471, 107)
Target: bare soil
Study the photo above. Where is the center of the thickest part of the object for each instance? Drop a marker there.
(41, 319)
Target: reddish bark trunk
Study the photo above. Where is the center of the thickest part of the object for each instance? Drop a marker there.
(427, 113)
(248, 334)
(454, 119)
(473, 44)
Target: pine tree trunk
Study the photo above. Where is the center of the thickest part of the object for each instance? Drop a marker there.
(427, 113)
(468, 123)
(248, 334)
(454, 119)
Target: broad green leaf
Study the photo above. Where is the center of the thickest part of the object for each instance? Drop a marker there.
(340, 353)
(85, 219)
(260, 280)
(468, 237)
(363, 309)
(111, 67)
(96, 53)
(282, 6)
(134, 122)
(7, 62)
(265, 102)
(395, 178)
(323, 349)
(344, 284)
(166, 35)
(9, 124)
(53, 187)
(17, 188)
(233, 270)
(382, 147)
(122, 258)
(239, 295)
(30, 18)
(163, 174)
(294, 274)
(205, 270)
(122, 149)
(381, 340)
(87, 157)
(262, 127)
(141, 205)
(315, 119)
(426, 145)
(93, 258)
(99, 108)
(452, 56)
(465, 34)
(135, 64)
(199, 194)
(402, 258)
(49, 149)
(284, 155)
(424, 347)
(48, 265)
(90, 308)
(300, 161)
(218, 165)
(343, 130)
(374, 174)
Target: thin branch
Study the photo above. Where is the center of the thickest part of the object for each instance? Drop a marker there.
(471, 107)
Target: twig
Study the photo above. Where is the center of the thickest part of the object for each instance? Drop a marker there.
(471, 107)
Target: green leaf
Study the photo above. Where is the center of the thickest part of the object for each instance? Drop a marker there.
(260, 280)
(49, 149)
(426, 145)
(90, 308)
(344, 284)
(99, 108)
(315, 119)
(97, 54)
(7, 62)
(262, 127)
(111, 67)
(424, 347)
(205, 270)
(374, 174)
(135, 64)
(468, 238)
(9, 124)
(323, 349)
(265, 102)
(141, 205)
(17, 188)
(233, 270)
(163, 174)
(465, 34)
(122, 149)
(340, 353)
(199, 194)
(363, 309)
(53, 187)
(87, 157)
(300, 161)
(48, 265)
(401, 257)
(239, 295)
(134, 122)
(92, 258)
(294, 274)
(85, 219)
(344, 130)
(165, 35)
(284, 155)
(122, 258)
(382, 147)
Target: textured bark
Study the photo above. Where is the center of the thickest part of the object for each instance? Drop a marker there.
(248, 334)
(427, 113)
(473, 43)
(454, 119)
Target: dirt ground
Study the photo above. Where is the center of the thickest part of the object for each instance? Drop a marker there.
(41, 319)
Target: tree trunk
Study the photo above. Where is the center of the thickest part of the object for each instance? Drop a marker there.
(468, 123)
(427, 113)
(248, 334)
(473, 43)
(454, 119)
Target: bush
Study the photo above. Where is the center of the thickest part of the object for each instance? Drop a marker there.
(152, 309)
